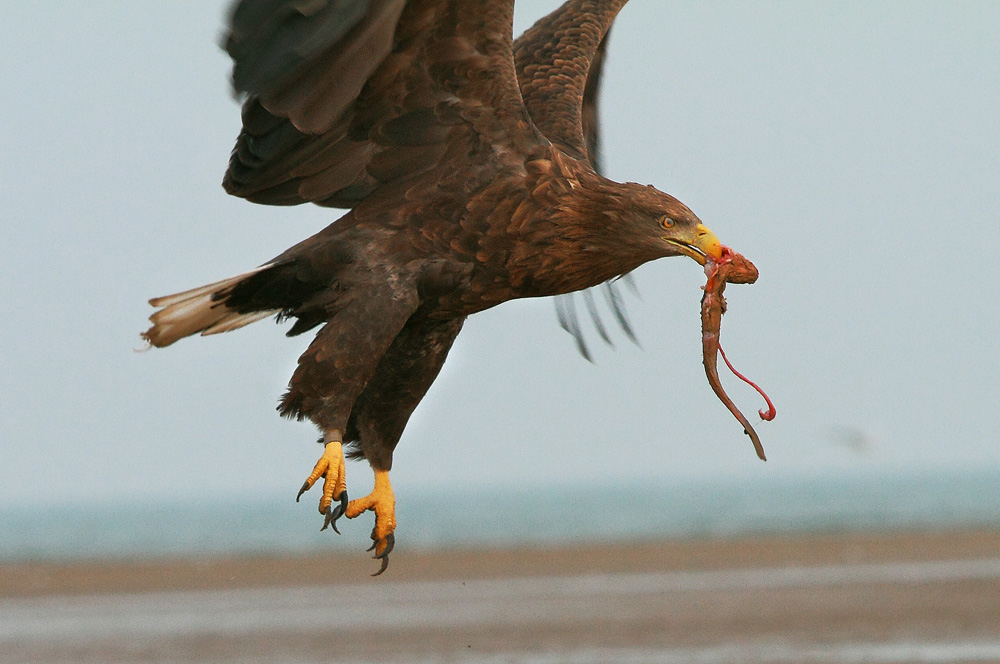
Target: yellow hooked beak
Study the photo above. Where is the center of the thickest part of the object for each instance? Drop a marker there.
(702, 247)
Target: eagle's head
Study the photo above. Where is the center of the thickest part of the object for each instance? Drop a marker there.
(668, 226)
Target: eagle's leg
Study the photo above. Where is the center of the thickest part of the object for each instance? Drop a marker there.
(381, 501)
(379, 415)
(331, 468)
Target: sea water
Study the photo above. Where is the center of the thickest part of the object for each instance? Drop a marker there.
(497, 517)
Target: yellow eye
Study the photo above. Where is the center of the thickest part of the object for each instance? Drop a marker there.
(666, 222)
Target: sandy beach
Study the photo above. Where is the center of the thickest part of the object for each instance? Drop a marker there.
(903, 597)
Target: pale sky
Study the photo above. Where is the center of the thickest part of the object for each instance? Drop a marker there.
(851, 150)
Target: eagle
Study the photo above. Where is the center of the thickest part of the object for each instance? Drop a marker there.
(466, 162)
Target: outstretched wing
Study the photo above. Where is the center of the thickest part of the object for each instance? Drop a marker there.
(344, 98)
(559, 63)
(590, 118)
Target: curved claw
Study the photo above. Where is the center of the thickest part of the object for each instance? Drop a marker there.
(334, 513)
(305, 487)
(390, 541)
(385, 565)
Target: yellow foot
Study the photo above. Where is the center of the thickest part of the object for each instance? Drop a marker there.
(381, 501)
(331, 467)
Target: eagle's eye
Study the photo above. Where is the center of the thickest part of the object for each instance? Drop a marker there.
(666, 221)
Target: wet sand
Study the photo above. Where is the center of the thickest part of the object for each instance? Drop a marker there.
(898, 597)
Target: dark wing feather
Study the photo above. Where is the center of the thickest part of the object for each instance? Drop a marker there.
(345, 98)
(554, 60)
(275, 42)
(559, 64)
(595, 315)
(592, 135)
(590, 118)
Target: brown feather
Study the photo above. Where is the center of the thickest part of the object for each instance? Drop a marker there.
(549, 76)
(461, 195)
(554, 59)
(325, 131)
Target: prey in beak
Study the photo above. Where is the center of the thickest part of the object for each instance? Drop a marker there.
(702, 245)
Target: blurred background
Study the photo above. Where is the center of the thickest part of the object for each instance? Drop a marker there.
(850, 149)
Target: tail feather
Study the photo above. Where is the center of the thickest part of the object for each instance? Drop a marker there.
(201, 309)
(236, 320)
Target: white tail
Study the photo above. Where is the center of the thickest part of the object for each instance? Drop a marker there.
(201, 310)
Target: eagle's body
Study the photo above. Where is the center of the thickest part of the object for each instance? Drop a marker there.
(463, 161)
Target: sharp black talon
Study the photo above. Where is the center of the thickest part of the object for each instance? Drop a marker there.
(334, 513)
(390, 541)
(305, 487)
(385, 564)
(330, 520)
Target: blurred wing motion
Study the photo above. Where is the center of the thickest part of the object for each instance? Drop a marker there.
(341, 101)
(466, 164)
